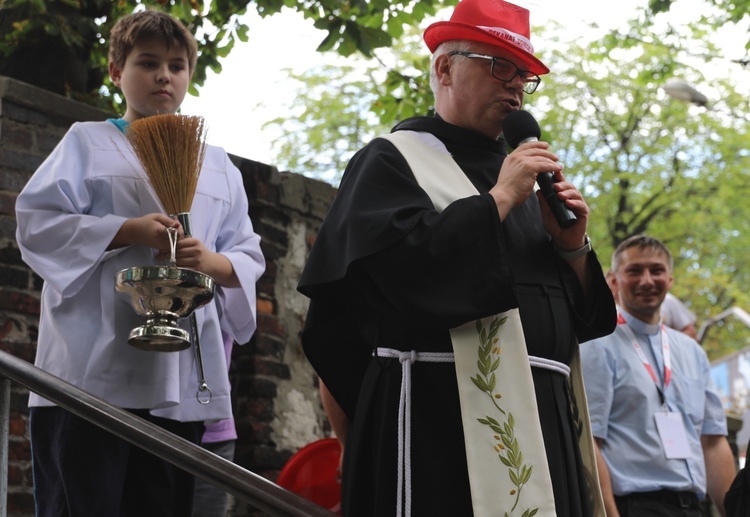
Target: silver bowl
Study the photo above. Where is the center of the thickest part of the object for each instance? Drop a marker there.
(163, 294)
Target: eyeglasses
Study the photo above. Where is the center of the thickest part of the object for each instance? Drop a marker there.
(504, 70)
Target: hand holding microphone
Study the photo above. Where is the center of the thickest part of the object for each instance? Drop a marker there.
(520, 127)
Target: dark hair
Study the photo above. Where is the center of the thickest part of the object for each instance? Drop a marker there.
(150, 24)
(643, 242)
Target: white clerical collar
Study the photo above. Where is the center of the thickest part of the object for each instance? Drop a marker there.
(640, 326)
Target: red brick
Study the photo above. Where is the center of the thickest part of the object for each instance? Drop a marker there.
(8, 203)
(271, 368)
(17, 426)
(271, 325)
(19, 302)
(15, 475)
(265, 306)
(20, 504)
(19, 451)
(17, 135)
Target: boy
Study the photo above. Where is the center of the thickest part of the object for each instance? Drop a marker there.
(88, 212)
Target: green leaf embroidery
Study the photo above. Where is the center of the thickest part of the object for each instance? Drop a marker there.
(507, 446)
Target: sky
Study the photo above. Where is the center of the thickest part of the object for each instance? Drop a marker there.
(254, 88)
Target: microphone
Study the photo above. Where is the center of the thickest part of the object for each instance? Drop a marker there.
(520, 127)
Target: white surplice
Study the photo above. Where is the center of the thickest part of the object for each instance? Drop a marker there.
(68, 214)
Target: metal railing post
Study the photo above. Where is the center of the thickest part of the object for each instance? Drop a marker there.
(4, 434)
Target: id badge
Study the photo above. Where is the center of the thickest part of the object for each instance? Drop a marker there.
(673, 435)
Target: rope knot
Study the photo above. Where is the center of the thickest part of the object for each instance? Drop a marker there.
(410, 356)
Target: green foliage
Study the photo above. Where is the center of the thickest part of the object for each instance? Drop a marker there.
(646, 163)
(82, 27)
(340, 108)
(728, 11)
(651, 164)
(326, 125)
(727, 331)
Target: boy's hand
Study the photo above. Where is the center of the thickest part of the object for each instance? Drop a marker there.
(193, 254)
(148, 230)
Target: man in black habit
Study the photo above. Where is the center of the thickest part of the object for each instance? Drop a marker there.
(447, 303)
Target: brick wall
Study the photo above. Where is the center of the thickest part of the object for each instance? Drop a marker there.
(274, 390)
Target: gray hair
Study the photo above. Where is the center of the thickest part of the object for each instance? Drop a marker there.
(445, 48)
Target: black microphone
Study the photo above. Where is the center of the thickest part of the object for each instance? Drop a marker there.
(520, 127)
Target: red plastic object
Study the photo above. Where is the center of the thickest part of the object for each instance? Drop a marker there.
(313, 473)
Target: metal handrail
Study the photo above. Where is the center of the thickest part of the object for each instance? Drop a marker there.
(230, 477)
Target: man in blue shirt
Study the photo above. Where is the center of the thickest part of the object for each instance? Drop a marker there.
(658, 422)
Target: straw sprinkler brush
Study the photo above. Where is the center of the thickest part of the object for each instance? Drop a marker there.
(171, 149)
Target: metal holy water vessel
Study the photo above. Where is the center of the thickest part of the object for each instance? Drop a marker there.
(163, 294)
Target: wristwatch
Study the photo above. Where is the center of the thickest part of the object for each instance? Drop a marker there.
(572, 255)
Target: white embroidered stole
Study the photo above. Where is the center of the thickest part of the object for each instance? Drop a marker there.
(506, 459)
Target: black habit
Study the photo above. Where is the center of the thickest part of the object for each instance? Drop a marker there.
(388, 270)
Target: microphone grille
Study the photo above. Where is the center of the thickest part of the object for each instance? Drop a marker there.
(520, 125)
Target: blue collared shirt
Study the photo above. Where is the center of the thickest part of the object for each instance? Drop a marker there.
(623, 401)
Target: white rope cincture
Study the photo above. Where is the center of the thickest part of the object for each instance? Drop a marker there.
(403, 494)
(549, 364)
(403, 503)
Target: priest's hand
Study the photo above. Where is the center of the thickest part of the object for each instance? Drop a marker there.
(573, 237)
(517, 176)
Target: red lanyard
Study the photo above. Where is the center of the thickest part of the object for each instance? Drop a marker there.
(642, 356)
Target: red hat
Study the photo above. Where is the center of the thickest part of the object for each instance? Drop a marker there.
(489, 21)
